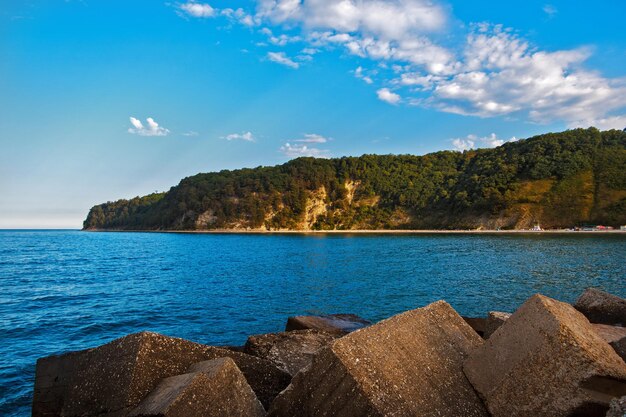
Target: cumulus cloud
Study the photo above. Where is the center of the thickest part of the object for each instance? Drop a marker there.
(246, 136)
(492, 72)
(388, 96)
(312, 138)
(607, 123)
(282, 59)
(151, 129)
(360, 74)
(201, 10)
(296, 150)
(473, 142)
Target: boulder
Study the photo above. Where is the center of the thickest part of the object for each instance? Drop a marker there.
(476, 323)
(332, 323)
(495, 319)
(614, 336)
(214, 388)
(407, 365)
(115, 377)
(546, 360)
(617, 408)
(289, 351)
(602, 307)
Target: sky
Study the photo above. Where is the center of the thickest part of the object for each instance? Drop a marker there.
(102, 100)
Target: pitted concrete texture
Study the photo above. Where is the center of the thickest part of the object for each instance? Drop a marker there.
(114, 378)
(407, 365)
(332, 323)
(614, 336)
(546, 360)
(601, 307)
(289, 351)
(214, 388)
(495, 319)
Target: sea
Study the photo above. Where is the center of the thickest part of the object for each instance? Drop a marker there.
(70, 290)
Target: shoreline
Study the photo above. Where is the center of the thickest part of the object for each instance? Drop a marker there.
(373, 232)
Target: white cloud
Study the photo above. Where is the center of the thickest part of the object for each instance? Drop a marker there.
(550, 10)
(298, 150)
(190, 133)
(359, 73)
(152, 128)
(247, 136)
(194, 9)
(239, 15)
(388, 96)
(607, 123)
(390, 20)
(473, 141)
(312, 138)
(280, 40)
(283, 59)
(502, 74)
(494, 72)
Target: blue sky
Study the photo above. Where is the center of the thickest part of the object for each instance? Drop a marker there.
(101, 100)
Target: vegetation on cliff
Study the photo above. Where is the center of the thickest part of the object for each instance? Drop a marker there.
(562, 179)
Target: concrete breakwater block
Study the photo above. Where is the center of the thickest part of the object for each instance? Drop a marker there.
(476, 323)
(289, 351)
(214, 388)
(546, 360)
(407, 365)
(614, 336)
(332, 323)
(115, 377)
(495, 319)
(601, 307)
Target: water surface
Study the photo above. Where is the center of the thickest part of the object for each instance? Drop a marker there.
(69, 290)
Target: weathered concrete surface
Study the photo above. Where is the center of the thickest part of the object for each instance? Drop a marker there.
(614, 336)
(115, 377)
(617, 408)
(602, 307)
(476, 323)
(289, 351)
(214, 388)
(332, 323)
(495, 319)
(407, 365)
(546, 360)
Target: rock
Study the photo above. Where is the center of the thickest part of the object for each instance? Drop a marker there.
(332, 323)
(495, 319)
(546, 360)
(115, 377)
(407, 365)
(614, 336)
(617, 408)
(289, 351)
(476, 323)
(214, 388)
(602, 307)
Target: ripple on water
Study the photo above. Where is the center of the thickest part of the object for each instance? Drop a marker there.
(69, 290)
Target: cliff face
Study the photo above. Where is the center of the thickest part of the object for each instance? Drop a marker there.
(557, 180)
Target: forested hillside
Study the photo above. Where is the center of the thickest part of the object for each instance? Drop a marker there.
(563, 179)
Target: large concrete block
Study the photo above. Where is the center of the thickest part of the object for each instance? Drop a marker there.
(332, 323)
(214, 388)
(546, 360)
(601, 307)
(407, 365)
(614, 336)
(289, 351)
(115, 377)
(476, 323)
(495, 319)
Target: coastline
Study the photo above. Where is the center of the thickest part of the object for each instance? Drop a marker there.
(374, 232)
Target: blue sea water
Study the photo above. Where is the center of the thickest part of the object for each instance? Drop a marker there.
(69, 290)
